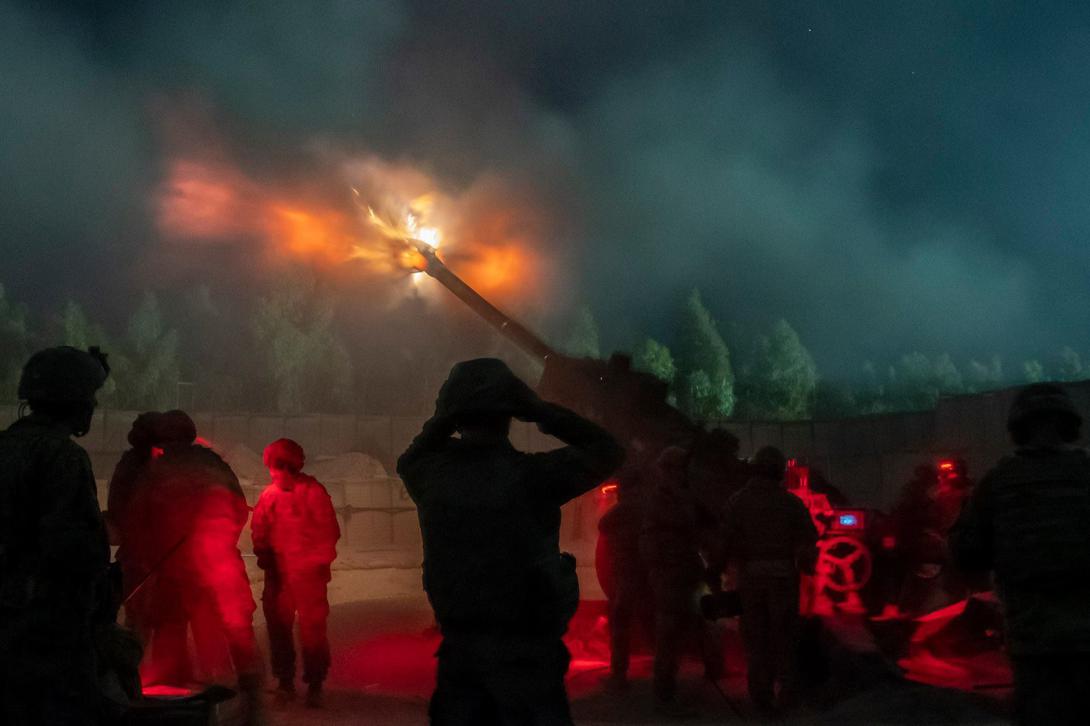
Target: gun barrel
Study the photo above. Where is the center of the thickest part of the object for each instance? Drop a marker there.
(511, 329)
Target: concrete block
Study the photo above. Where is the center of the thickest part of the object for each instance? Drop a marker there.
(399, 495)
(374, 493)
(336, 493)
(406, 527)
(367, 530)
(230, 430)
(375, 437)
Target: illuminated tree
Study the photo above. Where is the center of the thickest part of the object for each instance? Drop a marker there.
(1070, 367)
(707, 379)
(653, 357)
(782, 378)
(583, 339)
(916, 381)
(304, 361)
(149, 375)
(981, 377)
(1033, 371)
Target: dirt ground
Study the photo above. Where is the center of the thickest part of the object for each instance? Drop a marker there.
(383, 672)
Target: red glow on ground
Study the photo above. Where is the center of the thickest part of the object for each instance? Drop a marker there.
(402, 664)
(397, 664)
(165, 691)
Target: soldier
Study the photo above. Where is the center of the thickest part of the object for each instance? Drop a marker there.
(53, 549)
(1027, 522)
(295, 535)
(502, 591)
(770, 533)
(187, 513)
(620, 530)
(670, 545)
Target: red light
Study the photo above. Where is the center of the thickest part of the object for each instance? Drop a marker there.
(609, 488)
(946, 466)
(166, 691)
(201, 441)
(156, 452)
(889, 542)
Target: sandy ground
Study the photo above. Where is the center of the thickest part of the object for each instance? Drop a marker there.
(383, 670)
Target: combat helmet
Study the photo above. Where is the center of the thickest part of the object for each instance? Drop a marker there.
(483, 386)
(769, 462)
(284, 454)
(63, 375)
(1039, 400)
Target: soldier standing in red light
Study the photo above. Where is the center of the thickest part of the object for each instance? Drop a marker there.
(295, 535)
(185, 519)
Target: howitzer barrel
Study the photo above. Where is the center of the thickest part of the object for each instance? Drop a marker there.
(628, 403)
(515, 332)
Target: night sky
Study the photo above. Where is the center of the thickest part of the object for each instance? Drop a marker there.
(886, 176)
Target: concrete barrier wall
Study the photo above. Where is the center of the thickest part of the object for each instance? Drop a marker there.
(869, 457)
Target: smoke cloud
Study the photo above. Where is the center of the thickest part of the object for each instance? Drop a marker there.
(885, 178)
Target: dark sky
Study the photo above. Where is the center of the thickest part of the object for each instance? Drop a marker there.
(886, 176)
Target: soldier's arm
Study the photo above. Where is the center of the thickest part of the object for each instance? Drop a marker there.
(432, 438)
(591, 456)
(971, 536)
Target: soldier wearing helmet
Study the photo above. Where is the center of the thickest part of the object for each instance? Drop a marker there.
(53, 549)
(295, 535)
(768, 531)
(181, 533)
(502, 591)
(1026, 522)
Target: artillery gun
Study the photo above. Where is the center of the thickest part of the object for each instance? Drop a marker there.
(627, 403)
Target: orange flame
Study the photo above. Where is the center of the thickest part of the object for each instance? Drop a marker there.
(213, 202)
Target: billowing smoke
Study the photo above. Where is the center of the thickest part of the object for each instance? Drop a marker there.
(886, 179)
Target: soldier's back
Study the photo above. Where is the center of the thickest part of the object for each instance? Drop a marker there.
(1038, 503)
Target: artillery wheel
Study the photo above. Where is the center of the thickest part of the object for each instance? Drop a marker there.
(846, 563)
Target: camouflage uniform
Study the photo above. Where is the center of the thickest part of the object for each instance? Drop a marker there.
(769, 532)
(295, 535)
(490, 519)
(53, 560)
(1027, 521)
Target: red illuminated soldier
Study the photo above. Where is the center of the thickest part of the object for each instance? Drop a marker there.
(183, 525)
(295, 535)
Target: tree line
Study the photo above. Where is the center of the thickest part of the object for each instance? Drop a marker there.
(294, 350)
(775, 378)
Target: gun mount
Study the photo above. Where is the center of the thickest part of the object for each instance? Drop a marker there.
(628, 403)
